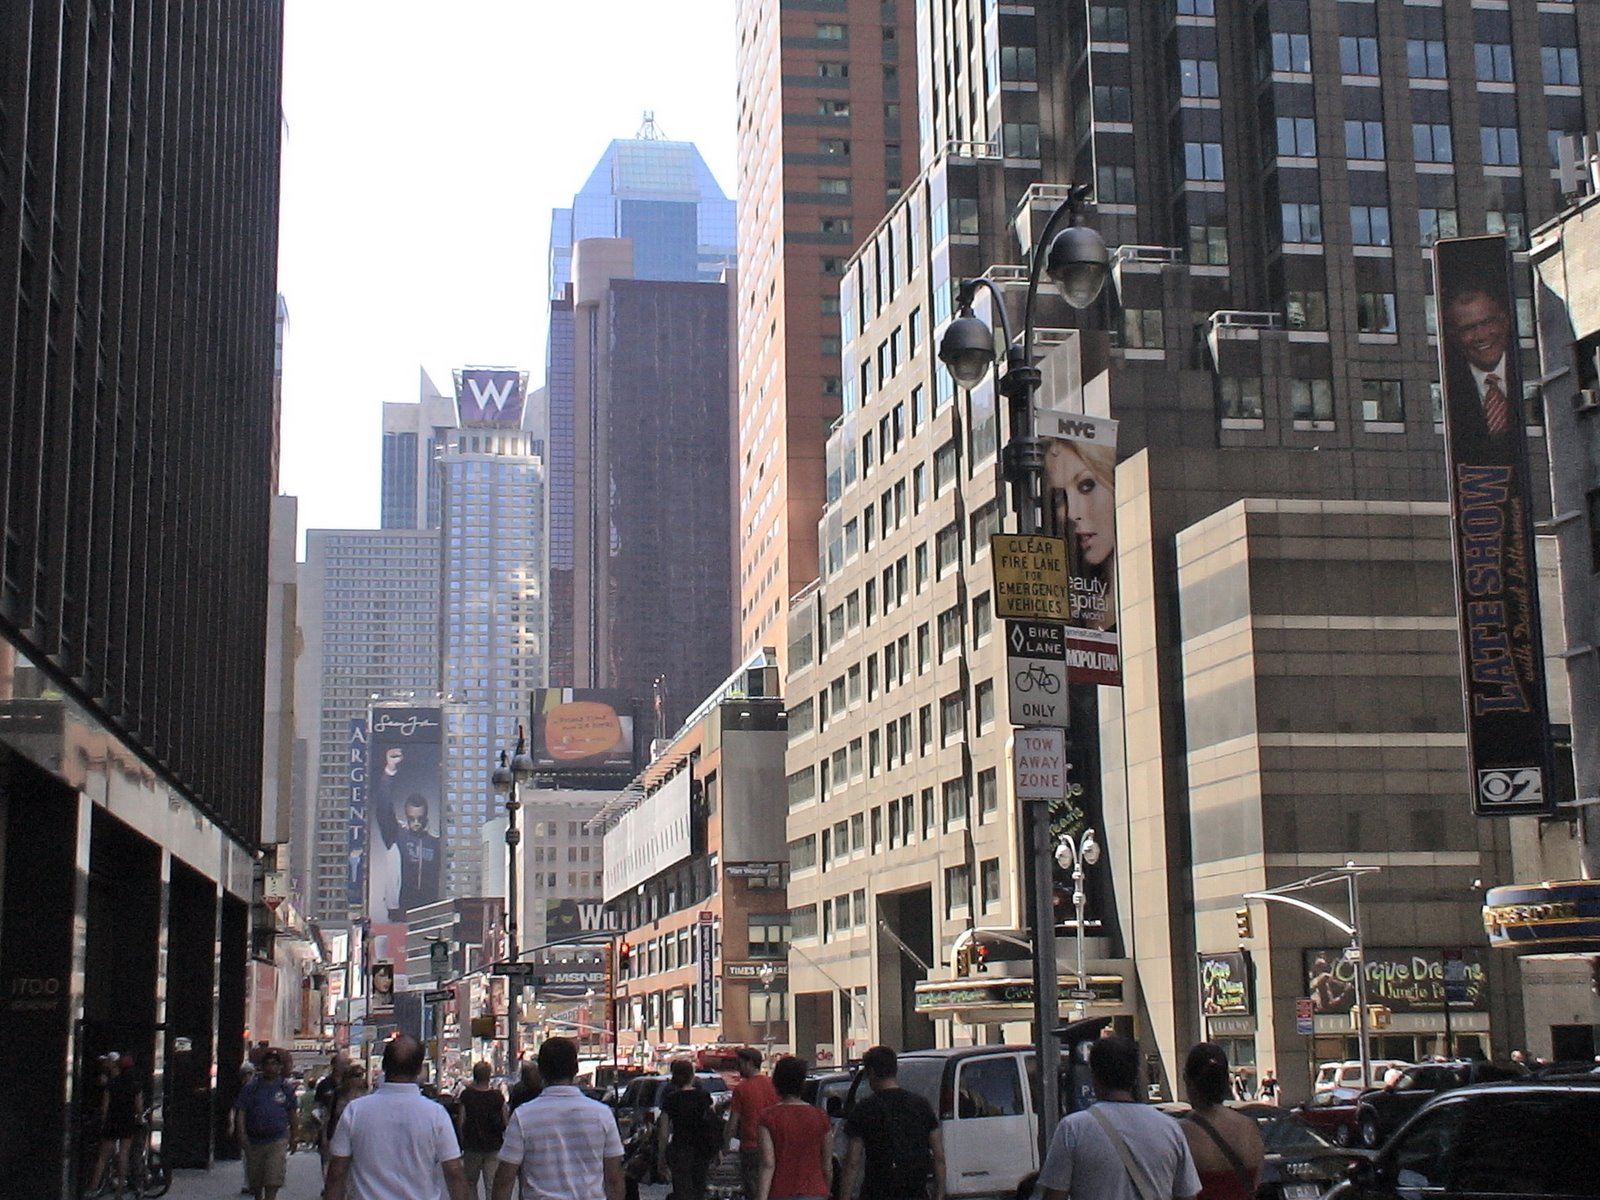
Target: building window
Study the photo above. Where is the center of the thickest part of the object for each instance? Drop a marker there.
(1363, 140)
(769, 935)
(1291, 52)
(1112, 102)
(1240, 398)
(1302, 223)
(948, 545)
(1501, 146)
(1108, 23)
(835, 147)
(1560, 64)
(949, 632)
(1382, 402)
(989, 874)
(983, 701)
(833, 70)
(1297, 137)
(1202, 160)
(988, 794)
(1375, 312)
(1431, 142)
(1369, 224)
(957, 890)
(1197, 77)
(1493, 61)
(952, 718)
(1019, 62)
(1141, 329)
(1116, 185)
(1435, 223)
(955, 803)
(1358, 55)
(1019, 140)
(1311, 399)
(768, 1005)
(1306, 310)
(830, 33)
(1515, 226)
(1425, 58)
(982, 619)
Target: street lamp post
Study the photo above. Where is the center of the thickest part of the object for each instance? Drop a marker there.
(1075, 855)
(1077, 261)
(767, 975)
(1351, 874)
(505, 779)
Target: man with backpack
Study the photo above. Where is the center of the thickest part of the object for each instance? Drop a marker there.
(894, 1135)
(688, 1134)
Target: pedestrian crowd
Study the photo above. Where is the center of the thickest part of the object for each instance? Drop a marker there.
(549, 1140)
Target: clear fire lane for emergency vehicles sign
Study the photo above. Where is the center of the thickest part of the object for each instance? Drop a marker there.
(1030, 577)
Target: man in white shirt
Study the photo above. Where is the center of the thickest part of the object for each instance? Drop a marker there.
(1096, 1152)
(561, 1144)
(396, 1144)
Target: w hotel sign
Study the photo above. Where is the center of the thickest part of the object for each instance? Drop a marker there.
(490, 396)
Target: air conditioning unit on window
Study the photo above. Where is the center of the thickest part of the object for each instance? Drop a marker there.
(1586, 400)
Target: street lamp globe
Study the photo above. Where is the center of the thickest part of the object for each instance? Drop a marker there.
(1090, 849)
(967, 348)
(521, 763)
(1078, 263)
(500, 778)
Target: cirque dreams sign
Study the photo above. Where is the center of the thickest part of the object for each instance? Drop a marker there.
(1403, 980)
(1225, 985)
(1502, 651)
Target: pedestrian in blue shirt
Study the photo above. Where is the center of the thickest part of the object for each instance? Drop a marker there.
(270, 1117)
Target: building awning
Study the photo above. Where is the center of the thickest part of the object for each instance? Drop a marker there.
(990, 1000)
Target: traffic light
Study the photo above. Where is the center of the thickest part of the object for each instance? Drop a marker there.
(624, 956)
(980, 957)
(1241, 922)
(963, 961)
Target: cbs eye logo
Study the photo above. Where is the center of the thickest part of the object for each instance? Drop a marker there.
(1510, 785)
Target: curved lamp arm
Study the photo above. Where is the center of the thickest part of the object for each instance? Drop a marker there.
(1343, 927)
(966, 293)
(1068, 208)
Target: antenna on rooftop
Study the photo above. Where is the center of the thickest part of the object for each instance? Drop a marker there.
(650, 131)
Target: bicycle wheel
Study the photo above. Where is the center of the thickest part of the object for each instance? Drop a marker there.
(157, 1178)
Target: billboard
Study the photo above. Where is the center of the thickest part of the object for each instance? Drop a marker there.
(1402, 980)
(405, 800)
(490, 397)
(356, 840)
(579, 730)
(1225, 985)
(650, 838)
(569, 918)
(1502, 649)
(1080, 490)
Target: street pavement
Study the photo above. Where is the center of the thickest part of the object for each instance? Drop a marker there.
(303, 1181)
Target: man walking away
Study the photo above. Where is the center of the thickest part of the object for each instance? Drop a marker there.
(561, 1144)
(684, 1138)
(527, 1086)
(754, 1094)
(395, 1144)
(1118, 1149)
(895, 1136)
(270, 1117)
(481, 1120)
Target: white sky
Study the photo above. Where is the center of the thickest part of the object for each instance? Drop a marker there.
(425, 144)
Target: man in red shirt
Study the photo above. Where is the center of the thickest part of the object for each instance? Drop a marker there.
(754, 1093)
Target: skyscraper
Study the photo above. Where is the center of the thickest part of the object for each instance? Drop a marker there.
(369, 613)
(826, 96)
(1269, 180)
(636, 395)
(138, 242)
(491, 578)
(413, 435)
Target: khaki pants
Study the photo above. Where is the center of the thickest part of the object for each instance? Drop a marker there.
(264, 1164)
(480, 1162)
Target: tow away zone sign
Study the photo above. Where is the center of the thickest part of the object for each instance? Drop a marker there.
(1039, 758)
(1030, 577)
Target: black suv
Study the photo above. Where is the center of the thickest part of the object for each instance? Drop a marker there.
(1383, 1110)
(1507, 1140)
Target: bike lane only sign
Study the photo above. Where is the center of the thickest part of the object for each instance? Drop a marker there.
(1036, 673)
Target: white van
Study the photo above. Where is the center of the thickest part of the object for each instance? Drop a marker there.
(1331, 1075)
(983, 1097)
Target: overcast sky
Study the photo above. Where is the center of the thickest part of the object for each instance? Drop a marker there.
(424, 147)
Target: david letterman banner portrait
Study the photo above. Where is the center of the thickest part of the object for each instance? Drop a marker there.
(1502, 650)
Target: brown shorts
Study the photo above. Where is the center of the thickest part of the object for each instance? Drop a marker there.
(264, 1164)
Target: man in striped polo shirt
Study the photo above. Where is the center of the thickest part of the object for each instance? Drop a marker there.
(562, 1145)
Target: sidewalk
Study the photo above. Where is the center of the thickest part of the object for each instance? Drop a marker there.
(303, 1180)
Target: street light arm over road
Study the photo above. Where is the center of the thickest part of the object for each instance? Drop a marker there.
(1343, 927)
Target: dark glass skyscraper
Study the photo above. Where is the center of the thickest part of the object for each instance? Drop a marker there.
(138, 253)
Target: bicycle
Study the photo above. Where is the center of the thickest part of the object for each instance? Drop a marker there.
(1037, 676)
(148, 1174)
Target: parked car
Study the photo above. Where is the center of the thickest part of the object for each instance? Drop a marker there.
(635, 1108)
(1333, 1113)
(1301, 1164)
(1384, 1110)
(1507, 1140)
(829, 1090)
(1347, 1074)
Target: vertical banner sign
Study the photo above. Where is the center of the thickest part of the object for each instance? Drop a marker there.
(405, 858)
(356, 844)
(1080, 488)
(706, 975)
(1502, 650)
